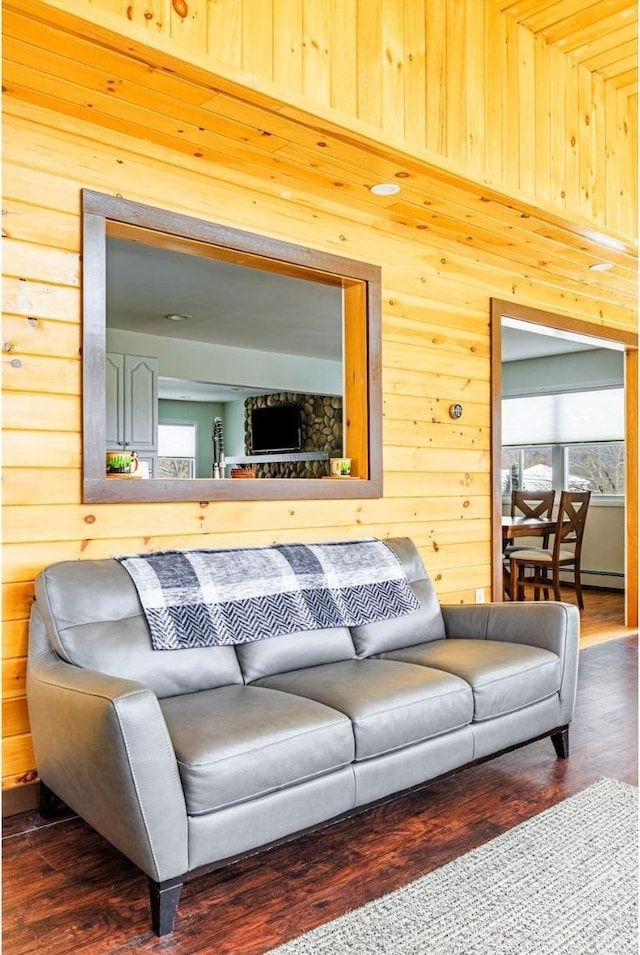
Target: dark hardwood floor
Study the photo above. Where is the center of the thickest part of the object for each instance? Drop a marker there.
(66, 890)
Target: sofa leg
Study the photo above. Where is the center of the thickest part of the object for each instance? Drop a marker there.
(164, 898)
(560, 742)
(48, 802)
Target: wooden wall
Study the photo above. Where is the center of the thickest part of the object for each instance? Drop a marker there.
(435, 352)
(435, 310)
(456, 77)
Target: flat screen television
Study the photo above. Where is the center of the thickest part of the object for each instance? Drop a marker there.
(276, 429)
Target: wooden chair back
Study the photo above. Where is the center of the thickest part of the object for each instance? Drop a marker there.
(572, 517)
(533, 503)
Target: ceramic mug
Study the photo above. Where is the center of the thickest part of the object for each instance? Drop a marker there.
(341, 467)
(122, 462)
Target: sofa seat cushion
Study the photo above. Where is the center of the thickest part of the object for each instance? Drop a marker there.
(504, 676)
(390, 704)
(234, 743)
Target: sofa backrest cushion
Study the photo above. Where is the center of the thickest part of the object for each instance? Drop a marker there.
(94, 620)
(420, 627)
(293, 651)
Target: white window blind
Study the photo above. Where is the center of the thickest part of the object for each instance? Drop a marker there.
(177, 440)
(580, 416)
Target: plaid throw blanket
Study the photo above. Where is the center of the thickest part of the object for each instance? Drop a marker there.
(204, 598)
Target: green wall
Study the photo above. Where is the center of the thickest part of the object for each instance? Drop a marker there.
(200, 413)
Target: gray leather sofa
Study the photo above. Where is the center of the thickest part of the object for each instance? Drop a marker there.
(188, 759)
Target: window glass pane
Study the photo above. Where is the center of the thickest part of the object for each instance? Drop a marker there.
(527, 468)
(596, 467)
(177, 440)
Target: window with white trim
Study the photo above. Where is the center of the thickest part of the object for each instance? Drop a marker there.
(176, 450)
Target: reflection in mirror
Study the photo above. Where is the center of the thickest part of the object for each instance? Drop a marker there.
(216, 355)
(229, 342)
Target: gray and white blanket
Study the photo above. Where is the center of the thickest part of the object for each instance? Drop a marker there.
(204, 598)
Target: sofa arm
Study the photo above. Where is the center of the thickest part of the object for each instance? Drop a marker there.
(102, 745)
(545, 624)
(550, 625)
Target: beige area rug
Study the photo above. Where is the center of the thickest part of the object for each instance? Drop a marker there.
(563, 883)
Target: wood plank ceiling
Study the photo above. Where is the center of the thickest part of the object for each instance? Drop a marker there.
(601, 35)
(258, 139)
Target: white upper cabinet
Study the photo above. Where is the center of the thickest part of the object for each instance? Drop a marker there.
(132, 402)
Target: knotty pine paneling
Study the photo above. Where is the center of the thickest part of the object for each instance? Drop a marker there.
(21, 485)
(508, 231)
(28, 412)
(17, 599)
(13, 679)
(17, 752)
(44, 519)
(436, 295)
(14, 639)
(330, 163)
(15, 718)
(457, 77)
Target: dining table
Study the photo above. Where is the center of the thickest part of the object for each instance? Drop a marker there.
(513, 527)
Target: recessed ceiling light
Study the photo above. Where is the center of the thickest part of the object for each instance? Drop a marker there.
(177, 318)
(601, 267)
(385, 189)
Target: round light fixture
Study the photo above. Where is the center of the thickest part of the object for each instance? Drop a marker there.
(177, 318)
(601, 267)
(385, 189)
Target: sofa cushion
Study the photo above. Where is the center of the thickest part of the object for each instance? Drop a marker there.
(234, 743)
(425, 624)
(504, 676)
(390, 704)
(94, 620)
(294, 650)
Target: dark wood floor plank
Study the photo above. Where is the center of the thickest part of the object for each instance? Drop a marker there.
(66, 890)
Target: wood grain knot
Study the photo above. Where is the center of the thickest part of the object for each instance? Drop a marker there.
(181, 7)
(29, 777)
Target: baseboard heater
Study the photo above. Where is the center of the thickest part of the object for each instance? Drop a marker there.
(602, 573)
(609, 579)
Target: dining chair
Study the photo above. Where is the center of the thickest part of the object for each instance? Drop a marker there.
(541, 568)
(537, 504)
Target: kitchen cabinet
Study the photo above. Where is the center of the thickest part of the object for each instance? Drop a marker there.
(132, 404)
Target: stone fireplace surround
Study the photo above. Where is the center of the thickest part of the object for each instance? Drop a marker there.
(321, 421)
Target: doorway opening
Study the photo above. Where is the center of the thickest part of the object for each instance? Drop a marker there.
(513, 326)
